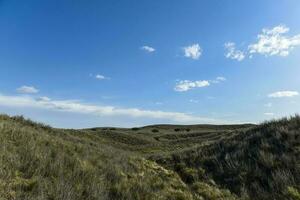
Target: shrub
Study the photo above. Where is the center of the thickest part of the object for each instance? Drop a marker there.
(293, 193)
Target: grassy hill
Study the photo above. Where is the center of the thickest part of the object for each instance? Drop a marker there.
(169, 162)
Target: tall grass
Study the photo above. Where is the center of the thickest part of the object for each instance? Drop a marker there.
(198, 162)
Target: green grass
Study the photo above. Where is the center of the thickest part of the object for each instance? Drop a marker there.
(173, 162)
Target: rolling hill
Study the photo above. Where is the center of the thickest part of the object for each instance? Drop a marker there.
(169, 162)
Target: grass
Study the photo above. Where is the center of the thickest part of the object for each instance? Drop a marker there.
(195, 162)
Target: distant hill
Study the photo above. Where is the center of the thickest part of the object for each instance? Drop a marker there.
(197, 162)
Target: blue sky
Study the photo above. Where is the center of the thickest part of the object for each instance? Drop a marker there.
(130, 63)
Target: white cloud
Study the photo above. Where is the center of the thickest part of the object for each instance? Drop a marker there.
(274, 42)
(269, 114)
(148, 49)
(27, 89)
(101, 77)
(43, 99)
(233, 53)
(82, 108)
(193, 51)
(280, 94)
(218, 79)
(183, 86)
(221, 78)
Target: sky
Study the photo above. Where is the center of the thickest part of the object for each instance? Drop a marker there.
(77, 64)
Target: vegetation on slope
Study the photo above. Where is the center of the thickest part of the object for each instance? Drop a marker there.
(38, 162)
(260, 163)
(201, 162)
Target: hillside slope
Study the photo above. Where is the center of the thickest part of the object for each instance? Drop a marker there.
(154, 162)
(259, 163)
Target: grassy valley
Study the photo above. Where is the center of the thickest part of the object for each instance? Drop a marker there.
(196, 162)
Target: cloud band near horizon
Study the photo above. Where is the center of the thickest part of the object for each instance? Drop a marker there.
(82, 108)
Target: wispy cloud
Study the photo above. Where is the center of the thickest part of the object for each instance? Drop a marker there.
(101, 77)
(193, 51)
(218, 79)
(148, 49)
(185, 85)
(83, 108)
(221, 78)
(233, 53)
(43, 99)
(269, 114)
(281, 94)
(273, 42)
(27, 89)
